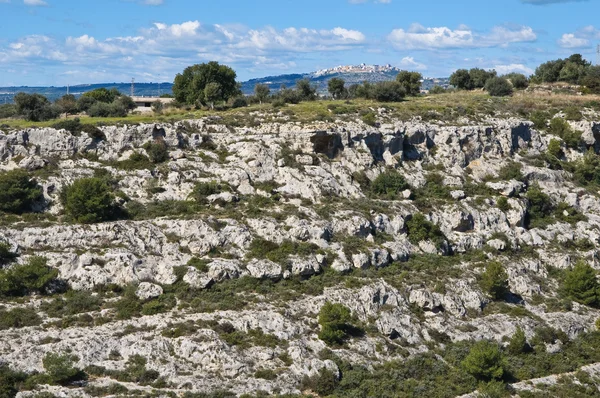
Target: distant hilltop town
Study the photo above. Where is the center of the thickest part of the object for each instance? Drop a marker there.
(362, 68)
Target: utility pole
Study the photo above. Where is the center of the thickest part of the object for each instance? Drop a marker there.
(598, 55)
(132, 86)
(67, 89)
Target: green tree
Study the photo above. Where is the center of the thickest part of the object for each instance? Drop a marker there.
(336, 323)
(157, 151)
(89, 200)
(420, 229)
(61, 370)
(18, 191)
(35, 107)
(33, 276)
(591, 79)
(67, 104)
(549, 72)
(262, 92)
(498, 87)
(555, 149)
(485, 361)
(461, 79)
(389, 184)
(212, 93)
(306, 90)
(518, 80)
(390, 91)
(189, 86)
(494, 280)
(336, 87)
(103, 95)
(581, 284)
(540, 207)
(518, 343)
(410, 81)
(479, 77)
(571, 72)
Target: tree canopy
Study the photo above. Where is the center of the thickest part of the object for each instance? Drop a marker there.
(190, 85)
(410, 81)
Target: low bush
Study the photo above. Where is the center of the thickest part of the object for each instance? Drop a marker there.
(89, 200)
(369, 119)
(336, 323)
(498, 87)
(485, 361)
(72, 303)
(202, 190)
(388, 185)
(61, 370)
(511, 171)
(494, 280)
(157, 151)
(6, 255)
(420, 229)
(562, 129)
(18, 191)
(32, 277)
(540, 209)
(581, 284)
(19, 318)
(262, 248)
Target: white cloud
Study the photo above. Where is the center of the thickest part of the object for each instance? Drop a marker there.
(418, 37)
(579, 39)
(35, 3)
(520, 68)
(410, 63)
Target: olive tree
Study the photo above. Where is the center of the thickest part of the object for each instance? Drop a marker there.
(190, 85)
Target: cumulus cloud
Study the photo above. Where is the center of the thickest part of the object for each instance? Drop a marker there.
(418, 37)
(579, 39)
(410, 63)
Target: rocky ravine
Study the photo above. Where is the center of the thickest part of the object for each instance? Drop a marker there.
(298, 183)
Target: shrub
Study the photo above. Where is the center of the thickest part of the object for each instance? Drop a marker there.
(157, 107)
(34, 276)
(562, 128)
(554, 149)
(19, 318)
(420, 229)
(389, 91)
(202, 190)
(587, 170)
(239, 102)
(540, 208)
(369, 119)
(512, 171)
(6, 255)
(73, 302)
(498, 87)
(18, 191)
(410, 81)
(60, 369)
(389, 184)
(580, 284)
(518, 80)
(336, 324)
(437, 90)
(157, 151)
(89, 200)
(323, 383)
(502, 204)
(485, 361)
(518, 343)
(494, 280)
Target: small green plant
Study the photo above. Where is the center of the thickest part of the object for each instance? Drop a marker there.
(388, 184)
(518, 343)
(502, 204)
(512, 171)
(580, 284)
(18, 191)
(485, 361)
(336, 324)
(89, 200)
(540, 210)
(157, 151)
(33, 276)
(6, 255)
(202, 190)
(420, 229)
(555, 149)
(562, 128)
(61, 370)
(369, 119)
(19, 318)
(494, 280)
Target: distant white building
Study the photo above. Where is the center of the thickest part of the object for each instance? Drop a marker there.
(144, 104)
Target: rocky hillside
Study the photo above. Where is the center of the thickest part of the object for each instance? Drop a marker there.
(211, 279)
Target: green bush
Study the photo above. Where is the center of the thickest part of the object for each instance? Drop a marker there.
(498, 87)
(494, 280)
(279, 253)
(502, 204)
(581, 284)
(202, 190)
(389, 184)
(540, 209)
(587, 170)
(518, 80)
(6, 255)
(18, 191)
(420, 229)
(10, 381)
(369, 119)
(60, 369)
(562, 128)
(157, 151)
(336, 324)
(74, 302)
(89, 200)
(389, 91)
(511, 171)
(19, 318)
(555, 149)
(34, 276)
(485, 361)
(136, 161)
(518, 343)
(323, 383)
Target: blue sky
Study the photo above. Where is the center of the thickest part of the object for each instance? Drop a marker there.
(59, 42)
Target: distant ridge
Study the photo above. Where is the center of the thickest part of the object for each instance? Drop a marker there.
(352, 74)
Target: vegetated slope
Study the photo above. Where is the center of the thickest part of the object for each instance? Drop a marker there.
(228, 240)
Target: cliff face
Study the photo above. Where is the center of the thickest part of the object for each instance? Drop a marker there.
(306, 192)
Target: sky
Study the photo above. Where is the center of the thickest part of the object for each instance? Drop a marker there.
(60, 42)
